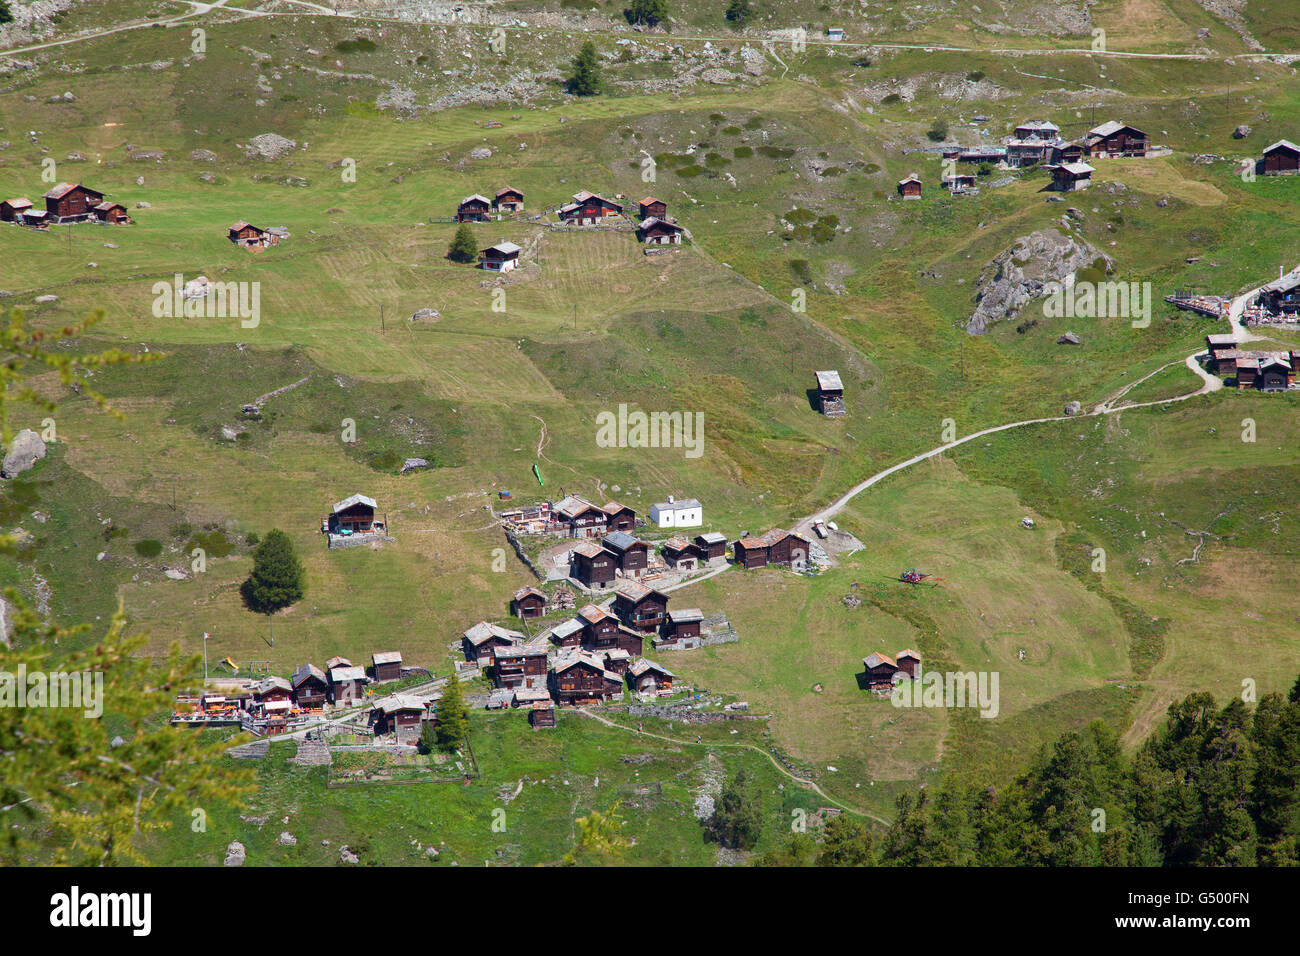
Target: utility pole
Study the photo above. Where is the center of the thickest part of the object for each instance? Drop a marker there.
(205, 658)
(381, 319)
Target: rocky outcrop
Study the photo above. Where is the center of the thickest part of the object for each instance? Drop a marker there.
(26, 450)
(1023, 272)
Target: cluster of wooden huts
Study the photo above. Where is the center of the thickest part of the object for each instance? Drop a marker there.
(881, 672)
(65, 203)
(275, 705)
(653, 225)
(1251, 368)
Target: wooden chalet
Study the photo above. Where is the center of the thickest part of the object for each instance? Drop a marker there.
(659, 232)
(113, 213)
(71, 202)
(251, 237)
(775, 547)
(880, 670)
(631, 553)
(639, 607)
(592, 566)
(1282, 295)
(479, 641)
(647, 677)
(651, 208)
(959, 182)
(579, 517)
(528, 602)
(1063, 151)
(1038, 130)
(711, 546)
(983, 154)
(568, 633)
(508, 200)
(582, 679)
(355, 515)
(311, 688)
(682, 626)
(1025, 152)
(474, 208)
(516, 667)
(588, 209)
(402, 715)
(347, 683)
(272, 689)
(680, 554)
(1071, 177)
(503, 257)
(909, 662)
(1113, 139)
(617, 660)
(1281, 159)
(830, 394)
(910, 188)
(386, 665)
(599, 628)
(13, 210)
(618, 517)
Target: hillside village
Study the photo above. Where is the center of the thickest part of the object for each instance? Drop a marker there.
(587, 451)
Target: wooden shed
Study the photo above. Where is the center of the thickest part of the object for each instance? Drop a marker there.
(12, 210)
(479, 641)
(647, 677)
(583, 679)
(528, 602)
(310, 687)
(631, 553)
(618, 517)
(503, 257)
(386, 665)
(830, 393)
(508, 200)
(518, 666)
(113, 213)
(910, 188)
(1281, 159)
(652, 208)
(1113, 139)
(659, 232)
(355, 515)
(1071, 177)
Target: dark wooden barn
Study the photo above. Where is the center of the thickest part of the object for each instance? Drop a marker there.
(910, 188)
(1281, 159)
(72, 202)
(474, 208)
(508, 200)
(310, 687)
(1115, 139)
(619, 517)
(12, 209)
(830, 393)
(515, 667)
(592, 566)
(639, 607)
(631, 553)
(528, 602)
(652, 208)
(588, 209)
(386, 665)
(583, 679)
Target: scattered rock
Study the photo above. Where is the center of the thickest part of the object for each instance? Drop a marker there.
(1241, 132)
(1069, 338)
(45, 299)
(432, 853)
(1026, 522)
(288, 839)
(1073, 408)
(76, 157)
(411, 464)
(175, 575)
(269, 146)
(235, 854)
(147, 155)
(143, 205)
(480, 152)
(347, 856)
(203, 156)
(426, 315)
(25, 451)
(231, 432)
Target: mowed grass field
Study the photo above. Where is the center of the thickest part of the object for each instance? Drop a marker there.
(590, 323)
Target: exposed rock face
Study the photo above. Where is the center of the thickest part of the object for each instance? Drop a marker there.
(27, 449)
(1022, 273)
(269, 146)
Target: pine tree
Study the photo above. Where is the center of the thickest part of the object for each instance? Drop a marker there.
(739, 11)
(647, 12)
(5, 15)
(737, 817)
(585, 80)
(453, 716)
(463, 247)
(277, 580)
(846, 842)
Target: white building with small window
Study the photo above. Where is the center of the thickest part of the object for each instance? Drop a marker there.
(687, 513)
